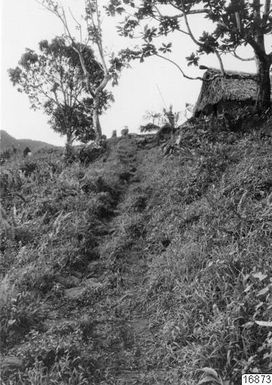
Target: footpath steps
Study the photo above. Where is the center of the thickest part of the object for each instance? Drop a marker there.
(121, 335)
(126, 151)
(104, 305)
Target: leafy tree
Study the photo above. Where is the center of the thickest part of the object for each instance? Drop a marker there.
(153, 117)
(149, 127)
(74, 121)
(236, 23)
(158, 119)
(110, 67)
(54, 82)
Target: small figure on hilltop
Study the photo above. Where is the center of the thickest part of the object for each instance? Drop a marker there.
(170, 116)
(170, 125)
(165, 123)
(114, 134)
(27, 152)
(124, 131)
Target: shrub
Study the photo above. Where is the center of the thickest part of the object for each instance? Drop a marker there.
(19, 315)
(91, 153)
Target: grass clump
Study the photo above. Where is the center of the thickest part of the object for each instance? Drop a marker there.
(157, 264)
(209, 288)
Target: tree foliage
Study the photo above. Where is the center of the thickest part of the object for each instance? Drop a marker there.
(90, 31)
(235, 23)
(158, 119)
(53, 79)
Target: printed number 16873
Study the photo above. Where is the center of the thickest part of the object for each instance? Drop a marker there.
(254, 378)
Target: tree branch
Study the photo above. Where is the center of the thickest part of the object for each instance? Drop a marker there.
(161, 17)
(266, 12)
(220, 75)
(178, 67)
(191, 12)
(188, 26)
(60, 13)
(267, 7)
(248, 39)
(196, 41)
(220, 62)
(102, 85)
(78, 24)
(241, 58)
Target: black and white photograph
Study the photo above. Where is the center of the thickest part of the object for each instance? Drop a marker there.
(136, 192)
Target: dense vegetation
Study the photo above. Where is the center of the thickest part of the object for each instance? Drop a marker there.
(139, 268)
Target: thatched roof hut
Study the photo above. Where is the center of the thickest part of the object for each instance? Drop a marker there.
(235, 87)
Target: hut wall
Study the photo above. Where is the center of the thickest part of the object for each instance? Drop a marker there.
(232, 107)
(226, 93)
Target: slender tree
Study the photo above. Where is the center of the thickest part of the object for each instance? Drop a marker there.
(110, 66)
(53, 81)
(236, 23)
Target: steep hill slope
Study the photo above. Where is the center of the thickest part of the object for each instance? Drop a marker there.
(8, 142)
(139, 268)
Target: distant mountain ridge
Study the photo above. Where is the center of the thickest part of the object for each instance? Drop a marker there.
(8, 142)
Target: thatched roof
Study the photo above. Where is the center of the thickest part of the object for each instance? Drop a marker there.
(236, 86)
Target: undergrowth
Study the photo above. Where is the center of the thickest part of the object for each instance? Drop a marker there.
(198, 224)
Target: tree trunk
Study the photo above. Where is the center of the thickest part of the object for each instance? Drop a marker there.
(264, 84)
(96, 121)
(68, 146)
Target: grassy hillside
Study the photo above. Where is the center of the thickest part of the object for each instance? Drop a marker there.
(139, 268)
(8, 142)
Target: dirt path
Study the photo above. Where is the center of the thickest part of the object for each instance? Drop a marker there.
(128, 338)
(117, 324)
(123, 336)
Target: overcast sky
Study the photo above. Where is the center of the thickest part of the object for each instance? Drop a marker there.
(144, 87)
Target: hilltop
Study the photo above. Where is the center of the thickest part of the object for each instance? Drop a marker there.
(8, 142)
(144, 266)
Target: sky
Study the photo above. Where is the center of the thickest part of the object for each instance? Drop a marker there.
(148, 86)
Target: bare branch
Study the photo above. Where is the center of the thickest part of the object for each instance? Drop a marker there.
(99, 42)
(191, 12)
(266, 12)
(241, 58)
(188, 26)
(238, 21)
(78, 24)
(196, 41)
(220, 62)
(267, 7)
(178, 67)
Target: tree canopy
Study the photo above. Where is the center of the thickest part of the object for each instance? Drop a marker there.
(235, 23)
(91, 32)
(54, 81)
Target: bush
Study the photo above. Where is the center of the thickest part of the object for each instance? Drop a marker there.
(18, 315)
(54, 357)
(91, 153)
